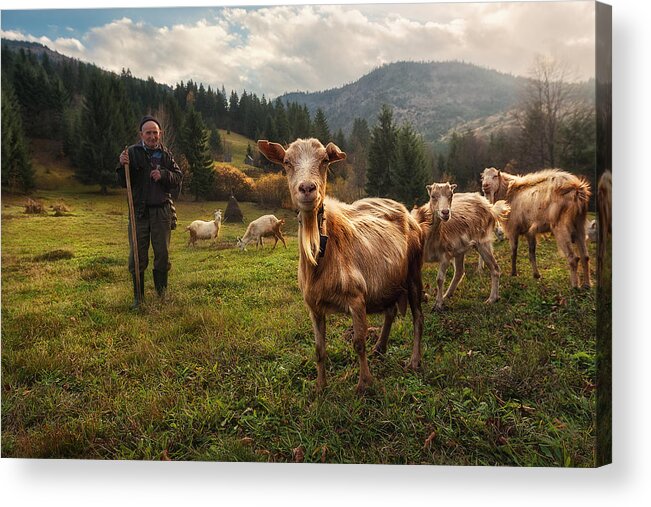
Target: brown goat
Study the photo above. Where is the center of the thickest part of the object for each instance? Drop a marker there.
(456, 225)
(545, 201)
(358, 258)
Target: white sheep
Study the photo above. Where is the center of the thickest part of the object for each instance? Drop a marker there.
(200, 229)
(263, 227)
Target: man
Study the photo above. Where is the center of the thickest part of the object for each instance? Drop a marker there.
(155, 176)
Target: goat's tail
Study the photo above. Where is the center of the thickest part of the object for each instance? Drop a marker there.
(423, 216)
(579, 190)
(501, 211)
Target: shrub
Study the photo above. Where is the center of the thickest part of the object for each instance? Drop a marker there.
(272, 191)
(229, 179)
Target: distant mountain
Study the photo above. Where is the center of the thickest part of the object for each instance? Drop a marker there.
(35, 48)
(435, 97)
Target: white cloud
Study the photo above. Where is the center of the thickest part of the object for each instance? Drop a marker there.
(287, 48)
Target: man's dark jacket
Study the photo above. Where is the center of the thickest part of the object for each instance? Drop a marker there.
(147, 192)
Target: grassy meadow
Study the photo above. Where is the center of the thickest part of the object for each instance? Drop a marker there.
(224, 369)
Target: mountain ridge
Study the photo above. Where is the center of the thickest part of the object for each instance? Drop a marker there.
(433, 96)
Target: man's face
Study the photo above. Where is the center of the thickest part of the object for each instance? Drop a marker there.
(150, 134)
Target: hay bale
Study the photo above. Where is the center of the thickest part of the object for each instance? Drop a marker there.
(233, 212)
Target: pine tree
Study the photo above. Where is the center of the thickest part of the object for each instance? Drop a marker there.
(320, 128)
(104, 130)
(282, 123)
(17, 171)
(197, 151)
(216, 145)
(381, 155)
(340, 140)
(409, 172)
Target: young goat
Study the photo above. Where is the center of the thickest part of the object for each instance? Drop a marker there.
(457, 225)
(205, 230)
(545, 201)
(263, 227)
(358, 258)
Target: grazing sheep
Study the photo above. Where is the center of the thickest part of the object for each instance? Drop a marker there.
(358, 258)
(200, 229)
(263, 227)
(458, 224)
(545, 201)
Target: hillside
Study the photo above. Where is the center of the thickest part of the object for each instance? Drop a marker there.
(434, 96)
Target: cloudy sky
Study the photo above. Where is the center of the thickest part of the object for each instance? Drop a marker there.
(282, 48)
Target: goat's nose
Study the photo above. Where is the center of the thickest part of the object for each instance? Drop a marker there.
(445, 212)
(307, 187)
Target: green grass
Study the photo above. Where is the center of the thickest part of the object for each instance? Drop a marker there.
(238, 144)
(224, 369)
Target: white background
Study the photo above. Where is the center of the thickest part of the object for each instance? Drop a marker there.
(626, 482)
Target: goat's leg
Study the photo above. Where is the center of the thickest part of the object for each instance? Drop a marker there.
(486, 252)
(415, 294)
(282, 238)
(514, 253)
(360, 329)
(381, 343)
(459, 272)
(584, 257)
(440, 279)
(275, 242)
(564, 241)
(319, 326)
(531, 239)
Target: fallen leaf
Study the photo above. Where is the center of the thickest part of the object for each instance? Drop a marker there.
(324, 450)
(165, 456)
(298, 454)
(430, 439)
(246, 441)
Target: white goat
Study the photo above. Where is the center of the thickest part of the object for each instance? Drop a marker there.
(200, 229)
(591, 231)
(263, 227)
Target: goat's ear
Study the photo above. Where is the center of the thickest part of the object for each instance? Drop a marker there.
(273, 151)
(334, 153)
(453, 186)
(429, 189)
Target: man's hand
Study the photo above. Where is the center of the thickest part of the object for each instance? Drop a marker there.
(124, 157)
(155, 174)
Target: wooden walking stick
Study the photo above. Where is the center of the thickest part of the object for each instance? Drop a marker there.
(134, 235)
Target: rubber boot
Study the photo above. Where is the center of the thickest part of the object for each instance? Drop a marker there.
(138, 300)
(160, 282)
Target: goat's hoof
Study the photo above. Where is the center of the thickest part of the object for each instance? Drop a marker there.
(362, 386)
(379, 351)
(490, 301)
(413, 365)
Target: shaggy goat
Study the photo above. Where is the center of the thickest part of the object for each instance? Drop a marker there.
(205, 230)
(263, 227)
(358, 258)
(458, 224)
(545, 201)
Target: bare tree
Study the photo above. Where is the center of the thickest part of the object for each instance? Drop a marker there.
(548, 100)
